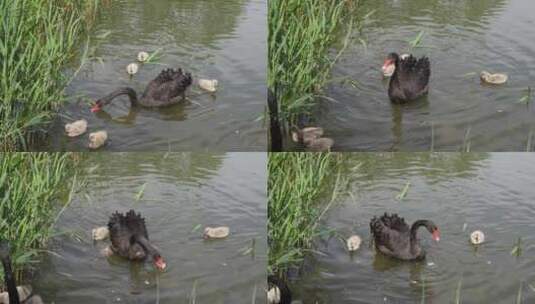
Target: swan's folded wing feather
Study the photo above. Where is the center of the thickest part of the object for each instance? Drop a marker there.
(136, 224)
(390, 232)
(423, 71)
(414, 74)
(394, 240)
(168, 87)
(119, 235)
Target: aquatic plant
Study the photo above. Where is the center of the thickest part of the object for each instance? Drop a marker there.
(416, 41)
(403, 193)
(301, 188)
(30, 184)
(517, 248)
(39, 39)
(300, 35)
(526, 96)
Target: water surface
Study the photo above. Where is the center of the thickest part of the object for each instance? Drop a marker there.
(460, 193)
(182, 193)
(461, 38)
(223, 40)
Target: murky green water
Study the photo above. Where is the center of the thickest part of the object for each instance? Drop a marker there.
(223, 40)
(490, 192)
(461, 38)
(182, 192)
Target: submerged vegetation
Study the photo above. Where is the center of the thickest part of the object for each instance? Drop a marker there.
(38, 39)
(296, 185)
(301, 33)
(29, 185)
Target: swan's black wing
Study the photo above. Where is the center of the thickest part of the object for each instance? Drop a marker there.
(413, 75)
(136, 224)
(391, 233)
(119, 234)
(168, 87)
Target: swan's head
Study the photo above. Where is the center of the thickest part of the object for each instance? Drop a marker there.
(389, 65)
(97, 106)
(433, 229)
(159, 262)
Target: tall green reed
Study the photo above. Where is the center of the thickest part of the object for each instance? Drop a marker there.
(300, 35)
(30, 184)
(38, 40)
(297, 184)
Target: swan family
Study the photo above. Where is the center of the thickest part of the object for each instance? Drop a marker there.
(167, 89)
(393, 236)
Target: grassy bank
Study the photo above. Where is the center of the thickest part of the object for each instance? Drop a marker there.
(296, 183)
(37, 40)
(300, 35)
(29, 186)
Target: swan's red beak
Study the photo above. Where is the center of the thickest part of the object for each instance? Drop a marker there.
(96, 107)
(436, 235)
(388, 66)
(159, 263)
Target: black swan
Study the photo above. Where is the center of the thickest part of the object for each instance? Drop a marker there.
(394, 238)
(165, 90)
(278, 291)
(11, 285)
(129, 238)
(410, 79)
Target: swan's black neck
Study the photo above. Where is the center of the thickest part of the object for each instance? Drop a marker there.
(151, 250)
(274, 123)
(414, 229)
(132, 95)
(395, 56)
(8, 275)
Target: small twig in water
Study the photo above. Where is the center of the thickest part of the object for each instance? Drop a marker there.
(254, 295)
(403, 192)
(530, 138)
(517, 249)
(526, 98)
(193, 299)
(519, 295)
(423, 291)
(466, 141)
(417, 40)
(140, 193)
(458, 292)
